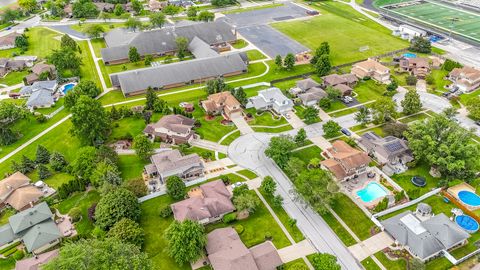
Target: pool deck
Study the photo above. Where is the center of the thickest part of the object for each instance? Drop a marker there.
(360, 183)
(453, 191)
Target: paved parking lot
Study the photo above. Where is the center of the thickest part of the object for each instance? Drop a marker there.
(271, 41)
(267, 15)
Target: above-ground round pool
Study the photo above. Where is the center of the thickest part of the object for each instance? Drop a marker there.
(467, 223)
(469, 198)
(409, 55)
(67, 87)
(371, 192)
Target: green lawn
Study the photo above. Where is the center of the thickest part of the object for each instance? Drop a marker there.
(54, 181)
(290, 265)
(130, 127)
(308, 153)
(241, 43)
(88, 70)
(369, 90)
(97, 45)
(369, 264)
(212, 130)
(13, 78)
(199, 151)
(247, 173)
(344, 112)
(106, 26)
(131, 166)
(284, 218)
(41, 42)
(230, 138)
(272, 129)
(255, 55)
(256, 226)
(439, 81)
(353, 216)
(239, 10)
(404, 179)
(265, 119)
(83, 201)
(339, 230)
(416, 117)
(356, 31)
(5, 214)
(399, 264)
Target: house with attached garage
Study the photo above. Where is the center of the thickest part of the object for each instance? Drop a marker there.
(172, 163)
(206, 204)
(373, 69)
(308, 91)
(271, 99)
(40, 94)
(17, 192)
(344, 161)
(34, 227)
(466, 79)
(223, 103)
(174, 128)
(8, 41)
(418, 66)
(424, 238)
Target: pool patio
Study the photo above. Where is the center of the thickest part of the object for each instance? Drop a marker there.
(454, 191)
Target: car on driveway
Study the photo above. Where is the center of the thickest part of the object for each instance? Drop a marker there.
(237, 184)
(346, 131)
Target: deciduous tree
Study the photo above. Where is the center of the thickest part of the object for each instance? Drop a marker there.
(421, 45)
(317, 188)
(143, 146)
(57, 161)
(157, 19)
(246, 201)
(94, 30)
(90, 121)
(301, 137)
(289, 61)
(362, 116)
(106, 172)
(325, 261)
(279, 149)
(206, 16)
(133, 55)
(310, 114)
(279, 61)
(9, 115)
(176, 187)
(185, 241)
(67, 42)
(331, 129)
(411, 103)
(269, 186)
(383, 110)
(182, 47)
(133, 23)
(115, 206)
(127, 231)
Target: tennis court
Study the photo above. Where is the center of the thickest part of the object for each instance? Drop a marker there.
(444, 17)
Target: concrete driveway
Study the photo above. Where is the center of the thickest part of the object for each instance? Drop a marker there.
(294, 120)
(248, 151)
(371, 246)
(241, 124)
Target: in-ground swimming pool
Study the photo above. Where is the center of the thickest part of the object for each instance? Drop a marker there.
(67, 87)
(467, 223)
(371, 192)
(409, 55)
(469, 198)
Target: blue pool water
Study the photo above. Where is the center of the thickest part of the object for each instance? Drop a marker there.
(409, 55)
(469, 198)
(371, 192)
(467, 223)
(68, 87)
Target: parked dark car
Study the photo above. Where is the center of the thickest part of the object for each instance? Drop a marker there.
(312, 12)
(346, 131)
(477, 123)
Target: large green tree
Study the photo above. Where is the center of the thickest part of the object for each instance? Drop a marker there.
(84, 9)
(444, 144)
(280, 149)
(473, 107)
(106, 172)
(116, 205)
(182, 47)
(185, 241)
(127, 231)
(90, 121)
(85, 162)
(157, 19)
(176, 187)
(133, 55)
(133, 23)
(317, 188)
(325, 261)
(362, 116)
(331, 129)
(411, 103)
(323, 65)
(143, 146)
(246, 201)
(28, 5)
(67, 42)
(9, 115)
(65, 59)
(310, 114)
(383, 110)
(94, 30)
(109, 253)
(206, 16)
(421, 45)
(289, 61)
(268, 185)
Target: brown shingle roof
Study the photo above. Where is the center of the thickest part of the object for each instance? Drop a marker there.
(9, 40)
(170, 160)
(174, 122)
(344, 158)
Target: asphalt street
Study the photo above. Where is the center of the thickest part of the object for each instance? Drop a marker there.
(248, 151)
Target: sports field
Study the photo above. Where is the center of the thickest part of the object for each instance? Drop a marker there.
(444, 17)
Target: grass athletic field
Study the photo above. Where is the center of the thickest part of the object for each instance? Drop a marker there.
(467, 23)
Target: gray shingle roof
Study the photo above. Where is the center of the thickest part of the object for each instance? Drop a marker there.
(424, 238)
(30, 217)
(177, 73)
(200, 49)
(48, 85)
(40, 98)
(161, 41)
(41, 234)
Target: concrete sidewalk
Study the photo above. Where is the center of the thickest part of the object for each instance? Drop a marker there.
(209, 145)
(371, 246)
(296, 251)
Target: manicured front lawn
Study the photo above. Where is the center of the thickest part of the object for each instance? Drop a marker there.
(284, 218)
(131, 166)
(230, 138)
(129, 127)
(212, 130)
(290, 265)
(265, 119)
(369, 264)
(13, 78)
(254, 55)
(339, 230)
(273, 129)
(354, 31)
(256, 227)
(241, 43)
(369, 90)
(83, 200)
(106, 26)
(412, 118)
(41, 42)
(308, 153)
(252, 8)
(5, 214)
(353, 216)
(399, 264)
(436, 202)
(247, 173)
(404, 179)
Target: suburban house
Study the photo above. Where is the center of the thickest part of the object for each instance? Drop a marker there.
(466, 79)
(36, 262)
(40, 94)
(206, 204)
(342, 83)
(171, 162)
(178, 74)
(17, 192)
(38, 70)
(105, 7)
(391, 151)
(373, 69)
(223, 103)
(10, 65)
(154, 5)
(181, 3)
(344, 161)
(174, 128)
(271, 99)
(35, 227)
(418, 66)
(162, 41)
(425, 238)
(226, 251)
(8, 41)
(308, 91)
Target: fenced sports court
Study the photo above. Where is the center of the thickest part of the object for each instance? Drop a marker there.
(438, 15)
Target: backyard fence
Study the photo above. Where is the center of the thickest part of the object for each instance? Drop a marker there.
(412, 202)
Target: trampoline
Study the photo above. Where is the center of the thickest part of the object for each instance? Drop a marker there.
(419, 181)
(467, 223)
